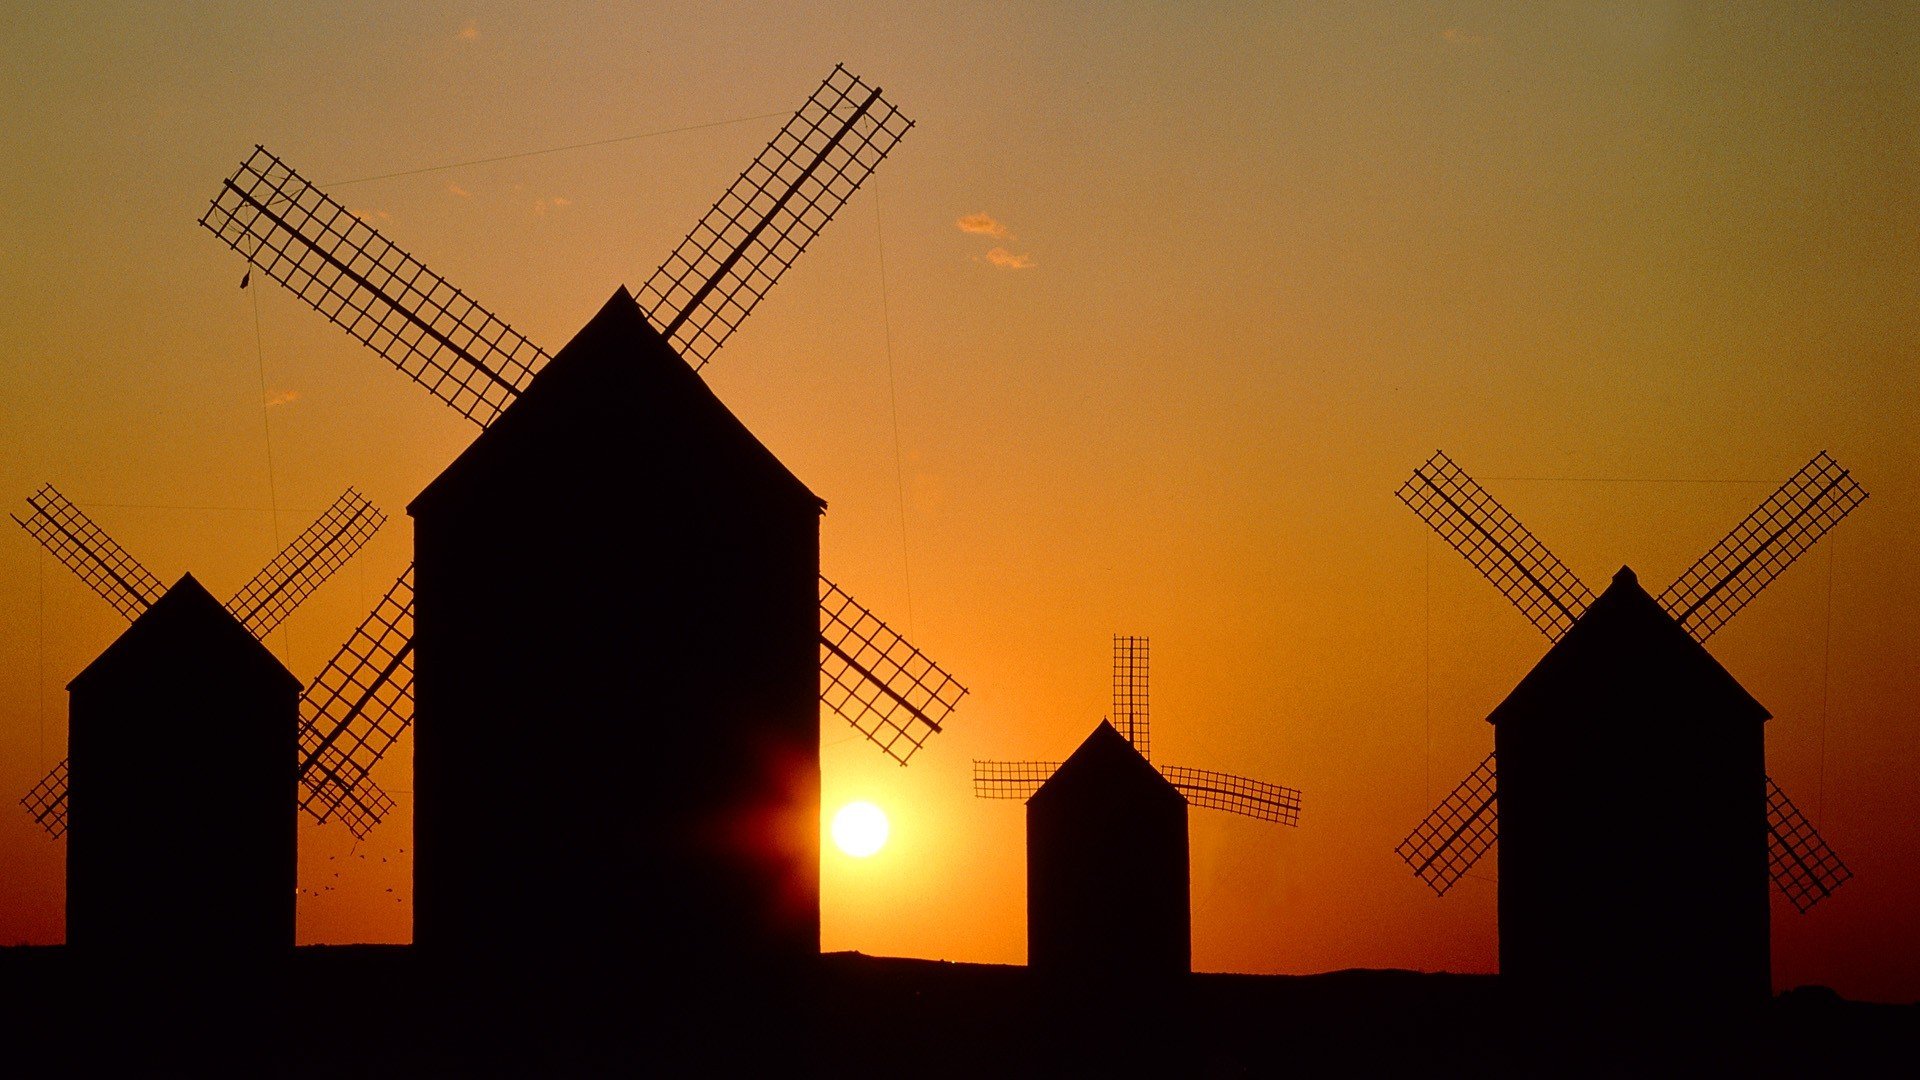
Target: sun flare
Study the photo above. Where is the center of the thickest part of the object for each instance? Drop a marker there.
(860, 829)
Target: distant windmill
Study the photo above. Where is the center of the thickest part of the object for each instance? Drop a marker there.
(1201, 787)
(614, 572)
(1631, 767)
(879, 683)
(260, 605)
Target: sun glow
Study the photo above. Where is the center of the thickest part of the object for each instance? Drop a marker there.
(860, 829)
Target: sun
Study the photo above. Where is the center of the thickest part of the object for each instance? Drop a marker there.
(860, 829)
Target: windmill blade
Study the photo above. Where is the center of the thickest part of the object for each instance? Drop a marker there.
(877, 681)
(306, 563)
(1457, 833)
(47, 802)
(1010, 779)
(1792, 519)
(1494, 541)
(82, 547)
(1130, 692)
(387, 299)
(355, 709)
(1801, 863)
(736, 254)
(1236, 794)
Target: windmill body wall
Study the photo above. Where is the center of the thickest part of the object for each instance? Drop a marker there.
(182, 769)
(617, 712)
(1108, 892)
(1633, 838)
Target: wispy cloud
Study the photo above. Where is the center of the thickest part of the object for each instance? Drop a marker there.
(558, 202)
(1005, 259)
(460, 192)
(981, 224)
(1462, 37)
(470, 31)
(284, 397)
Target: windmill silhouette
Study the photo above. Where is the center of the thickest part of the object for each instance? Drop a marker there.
(1131, 708)
(185, 720)
(713, 641)
(477, 364)
(1630, 868)
(260, 605)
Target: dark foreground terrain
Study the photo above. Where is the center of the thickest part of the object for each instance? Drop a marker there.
(381, 1010)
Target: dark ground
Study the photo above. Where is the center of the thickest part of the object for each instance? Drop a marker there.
(380, 1010)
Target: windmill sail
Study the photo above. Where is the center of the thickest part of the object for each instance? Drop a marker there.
(305, 564)
(1130, 703)
(739, 250)
(877, 681)
(354, 711)
(1494, 541)
(1236, 794)
(1010, 779)
(344, 269)
(1780, 530)
(1802, 864)
(47, 802)
(1458, 832)
(84, 548)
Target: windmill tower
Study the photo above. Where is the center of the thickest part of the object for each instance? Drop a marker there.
(186, 719)
(687, 624)
(1631, 869)
(1107, 865)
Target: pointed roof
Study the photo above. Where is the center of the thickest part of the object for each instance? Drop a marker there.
(619, 382)
(1106, 766)
(184, 624)
(1625, 653)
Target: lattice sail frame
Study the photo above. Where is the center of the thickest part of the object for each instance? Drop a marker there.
(1130, 698)
(1236, 794)
(1791, 520)
(84, 548)
(1010, 779)
(1550, 595)
(766, 219)
(877, 681)
(1458, 831)
(355, 710)
(305, 564)
(47, 802)
(1798, 858)
(343, 268)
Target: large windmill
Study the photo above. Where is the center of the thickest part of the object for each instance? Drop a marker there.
(477, 364)
(1131, 708)
(614, 572)
(1629, 768)
(186, 721)
(260, 605)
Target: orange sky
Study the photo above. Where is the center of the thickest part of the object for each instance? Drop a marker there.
(1227, 277)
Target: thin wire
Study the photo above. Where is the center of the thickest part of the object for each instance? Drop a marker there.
(1427, 661)
(40, 668)
(266, 434)
(549, 150)
(1626, 480)
(1826, 667)
(893, 401)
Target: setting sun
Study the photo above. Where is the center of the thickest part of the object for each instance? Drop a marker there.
(860, 829)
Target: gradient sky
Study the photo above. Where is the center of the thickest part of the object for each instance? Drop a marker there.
(1226, 277)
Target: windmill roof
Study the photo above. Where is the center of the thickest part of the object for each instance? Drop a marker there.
(619, 385)
(1626, 653)
(186, 622)
(1106, 764)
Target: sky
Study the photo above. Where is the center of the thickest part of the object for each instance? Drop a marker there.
(1136, 332)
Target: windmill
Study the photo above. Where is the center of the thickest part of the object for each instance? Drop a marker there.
(185, 720)
(260, 605)
(669, 616)
(1201, 787)
(477, 364)
(1652, 849)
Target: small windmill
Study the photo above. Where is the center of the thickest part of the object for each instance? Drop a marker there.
(477, 364)
(260, 605)
(1712, 591)
(1201, 787)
